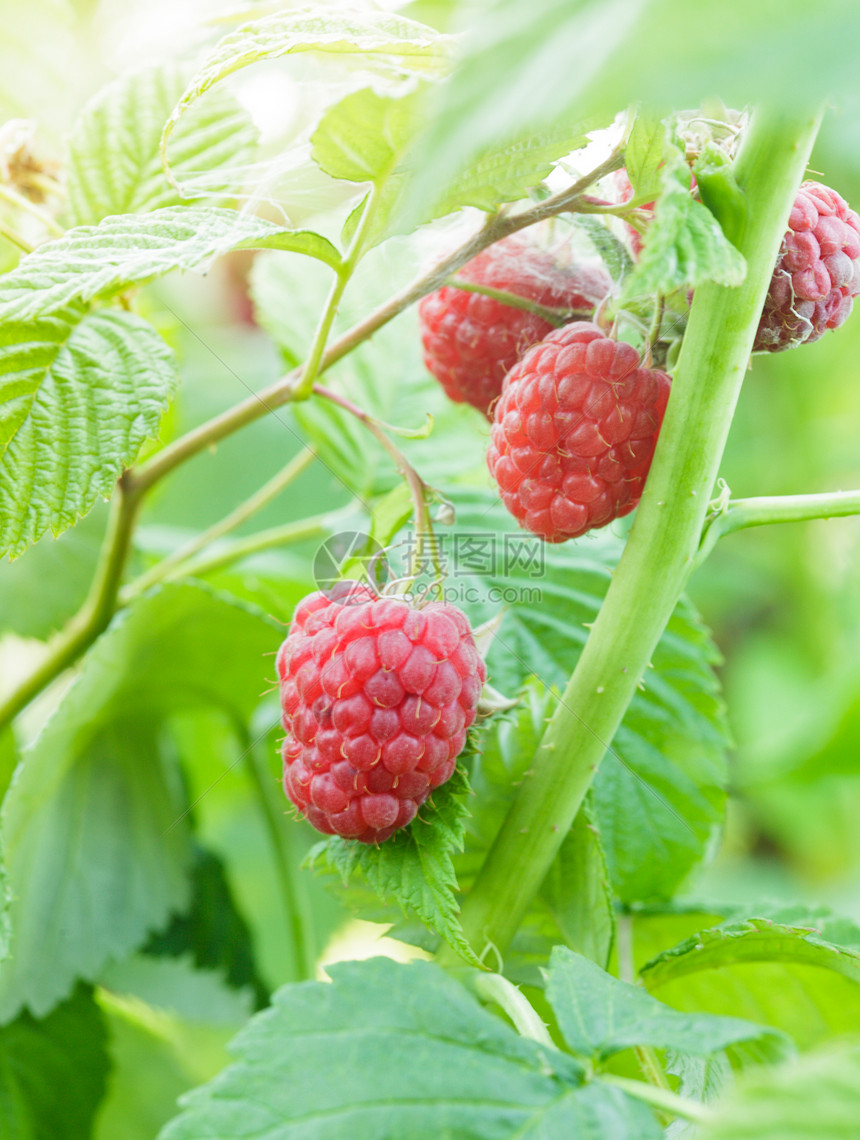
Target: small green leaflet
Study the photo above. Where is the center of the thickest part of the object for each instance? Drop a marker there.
(684, 245)
(415, 867)
(643, 155)
(79, 393)
(398, 1050)
(600, 1016)
(362, 137)
(114, 164)
(130, 249)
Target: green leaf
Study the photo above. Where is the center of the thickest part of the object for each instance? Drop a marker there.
(114, 163)
(415, 867)
(94, 823)
(64, 568)
(53, 1072)
(577, 890)
(390, 43)
(460, 1071)
(363, 137)
(660, 790)
(212, 930)
(177, 987)
(643, 155)
(130, 249)
(813, 1097)
(785, 976)
(684, 245)
(155, 1058)
(600, 1016)
(80, 393)
(506, 172)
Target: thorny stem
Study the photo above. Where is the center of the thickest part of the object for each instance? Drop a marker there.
(555, 316)
(662, 546)
(499, 226)
(171, 566)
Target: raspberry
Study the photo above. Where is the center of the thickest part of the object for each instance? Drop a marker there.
(574, 432)
(817, 272)
(471, 341)
(376, 698)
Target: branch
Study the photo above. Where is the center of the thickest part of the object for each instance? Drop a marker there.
(742, 513)
(662, 546)
(660, 1098)
(286, 389)
(95, 614)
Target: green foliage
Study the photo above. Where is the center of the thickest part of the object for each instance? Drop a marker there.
(684, 245)
(131, 249)
(53, 1071)
(95, 825)
(114, 162)
(787, 976)
(212, 930)
(661, 786)
(415, 868)
(80, 392)
(817, 1095)
(460, 1071)
(600, 1016)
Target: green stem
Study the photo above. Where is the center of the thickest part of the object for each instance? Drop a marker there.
(296, 910)
(315, 527)
(525, 1018)
(167, 567)
(647, 1057)
(21, 203)
(662, 546)
(284, 390)
(547, 312)
(15, 239)
(664, 1099)
(417, 486)
(313, 364)
(95, 614)
(742, 513)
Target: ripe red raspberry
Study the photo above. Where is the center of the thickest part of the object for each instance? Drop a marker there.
(817, 272)
(574, 432)
(471, 341)
(376, 697)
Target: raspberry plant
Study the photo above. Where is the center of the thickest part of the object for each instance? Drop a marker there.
(512, 737)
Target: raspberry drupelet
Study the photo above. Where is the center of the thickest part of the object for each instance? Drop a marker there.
(377, 696)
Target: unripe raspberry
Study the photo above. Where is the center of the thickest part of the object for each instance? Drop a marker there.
(817, 273)
(574, 432)
(376, 697)
(471, 341)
